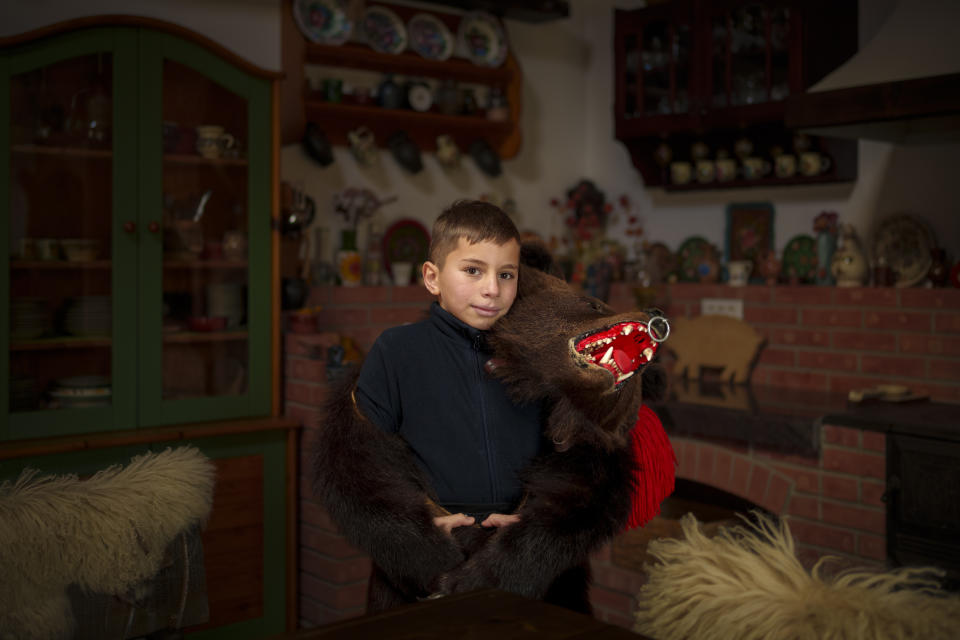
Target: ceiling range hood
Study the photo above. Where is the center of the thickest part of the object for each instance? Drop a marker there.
(903, 86)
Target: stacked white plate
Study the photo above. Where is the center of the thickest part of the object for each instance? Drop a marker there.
(81, 391)
(29, 318)
(88, 316)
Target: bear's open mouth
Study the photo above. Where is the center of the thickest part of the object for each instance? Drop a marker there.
(621, 348)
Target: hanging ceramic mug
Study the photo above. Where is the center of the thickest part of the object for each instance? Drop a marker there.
(680, 172)
(363, 145)
(785, 165)
(813, 163)
(447, 152)
(212, 140)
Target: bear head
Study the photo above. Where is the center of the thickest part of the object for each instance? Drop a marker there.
(592, 365)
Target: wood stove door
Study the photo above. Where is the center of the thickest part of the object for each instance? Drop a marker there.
(923, 502)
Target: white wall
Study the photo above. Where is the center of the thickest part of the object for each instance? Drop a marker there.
(249, 28)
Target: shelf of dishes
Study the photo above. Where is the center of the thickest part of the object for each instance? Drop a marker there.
(357, 56)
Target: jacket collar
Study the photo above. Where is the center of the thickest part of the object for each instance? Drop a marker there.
(452, 326)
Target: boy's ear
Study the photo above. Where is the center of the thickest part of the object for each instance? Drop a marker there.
(431, 277)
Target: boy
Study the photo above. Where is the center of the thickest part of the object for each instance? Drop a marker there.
(425, 383)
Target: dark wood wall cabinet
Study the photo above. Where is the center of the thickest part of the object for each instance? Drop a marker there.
(357, 105)
(701, 88)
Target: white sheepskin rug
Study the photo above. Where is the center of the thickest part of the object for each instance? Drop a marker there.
(106, 534)
(747, 584)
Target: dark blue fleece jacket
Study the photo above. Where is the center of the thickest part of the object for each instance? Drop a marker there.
(426, 383)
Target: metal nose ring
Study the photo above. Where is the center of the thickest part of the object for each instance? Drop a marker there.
(658, 328)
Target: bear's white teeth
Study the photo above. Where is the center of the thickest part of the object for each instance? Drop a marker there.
(627, 330)
(648, 353)
(606, 356)
(624, 376)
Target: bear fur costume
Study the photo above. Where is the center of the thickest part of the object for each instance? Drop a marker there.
(576, 497)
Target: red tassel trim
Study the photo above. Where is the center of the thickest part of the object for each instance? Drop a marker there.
(656, 467)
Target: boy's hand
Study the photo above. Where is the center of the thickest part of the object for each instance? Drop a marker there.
(451, 522)
(500, 520)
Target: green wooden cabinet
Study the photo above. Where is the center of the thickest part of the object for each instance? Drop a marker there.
(135, 193)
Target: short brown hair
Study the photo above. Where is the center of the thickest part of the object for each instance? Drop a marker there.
(473, 220)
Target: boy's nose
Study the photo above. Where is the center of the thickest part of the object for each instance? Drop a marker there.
(491, 286)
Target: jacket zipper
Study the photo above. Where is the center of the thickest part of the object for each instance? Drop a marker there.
(494, 485)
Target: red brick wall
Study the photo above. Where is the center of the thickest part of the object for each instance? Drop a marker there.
(836, 339)
(822, 338)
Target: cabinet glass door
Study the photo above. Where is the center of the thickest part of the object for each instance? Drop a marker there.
(750, 53)
(198, 329)
(205, 237)
(62, 366)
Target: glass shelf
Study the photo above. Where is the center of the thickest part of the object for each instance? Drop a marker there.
(61, 151)
(189, 337)
(61, 342)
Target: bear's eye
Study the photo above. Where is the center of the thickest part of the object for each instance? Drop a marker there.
(594, 304)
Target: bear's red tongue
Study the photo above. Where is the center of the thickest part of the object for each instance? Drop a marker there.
(624, 360)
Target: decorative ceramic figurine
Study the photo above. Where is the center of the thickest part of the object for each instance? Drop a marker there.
(849, 266)
(768, 266)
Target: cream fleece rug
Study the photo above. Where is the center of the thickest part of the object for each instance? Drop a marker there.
(106, 534)
(747, 584)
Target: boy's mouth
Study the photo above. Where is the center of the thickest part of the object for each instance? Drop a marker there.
(486, 311)
(621, 348)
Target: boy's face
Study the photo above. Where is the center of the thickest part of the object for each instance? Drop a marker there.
(478, 282)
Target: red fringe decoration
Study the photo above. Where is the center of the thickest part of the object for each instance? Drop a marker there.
(656, 467)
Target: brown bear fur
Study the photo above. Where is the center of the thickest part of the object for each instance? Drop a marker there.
(577, 497)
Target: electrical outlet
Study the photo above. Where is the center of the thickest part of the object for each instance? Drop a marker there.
(732, 307)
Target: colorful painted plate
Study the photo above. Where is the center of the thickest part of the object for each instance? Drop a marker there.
(697, 261)
(904, 242)
(383, 30)
(482, 39)
(430, 37)
(800, 259)
(406, 240)
(323, 21)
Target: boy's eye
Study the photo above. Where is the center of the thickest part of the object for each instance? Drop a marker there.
(471, 271)
(506, 275)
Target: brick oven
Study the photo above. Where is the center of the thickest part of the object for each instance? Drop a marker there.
(772, 449)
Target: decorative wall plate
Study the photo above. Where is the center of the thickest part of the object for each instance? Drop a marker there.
(429, 37)
(800, 258)
(420, 97)
(323, 21)
(383, 30)
(406, 240)
(482, 39)
(696, 261)
(904, 242)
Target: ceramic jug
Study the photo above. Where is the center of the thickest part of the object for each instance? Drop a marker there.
(389, 94)
(739, 271)
(849, 265)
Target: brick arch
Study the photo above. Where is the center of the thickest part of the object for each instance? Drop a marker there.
(725, 468)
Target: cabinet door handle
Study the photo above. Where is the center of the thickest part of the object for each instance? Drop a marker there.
(154, 226)
(129, 226)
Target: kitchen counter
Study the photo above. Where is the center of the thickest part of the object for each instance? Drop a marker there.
(789, 420)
